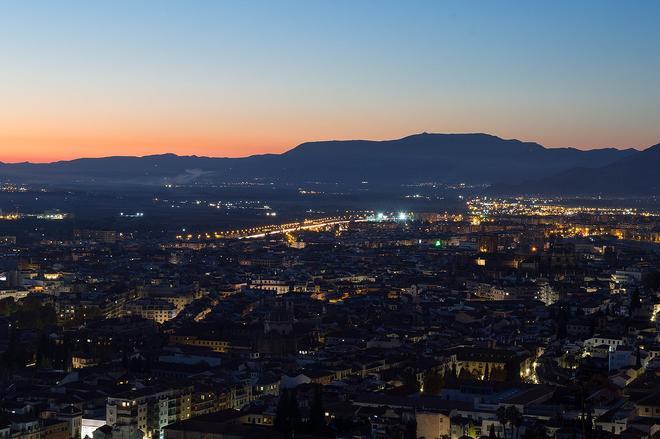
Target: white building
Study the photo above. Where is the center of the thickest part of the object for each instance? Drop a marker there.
(278, 286)
(159, 311)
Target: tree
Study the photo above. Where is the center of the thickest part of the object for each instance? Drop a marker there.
(514, 417)
(43, 354)
(38, 317)
(465, 375)
(62, 355)
(317, 413)
(294, 412)
(410, 378)
(588, 426)
(562, 328)
(287, 416)
(491, 432)
(411, 429)
(472, 429)
(634, 301)
(15, 356)
(652, 281)
(562, 321)
(498, 374)
(513, 370)
(9, 356)
(535, 431)
(433, 383)
(281, 414)
(502, 418)
(8, 306)
(450, 377)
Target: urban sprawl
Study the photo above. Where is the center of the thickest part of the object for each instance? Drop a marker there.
(515, 319)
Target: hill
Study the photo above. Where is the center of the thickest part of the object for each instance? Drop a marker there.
(638, 174)
(444, 158)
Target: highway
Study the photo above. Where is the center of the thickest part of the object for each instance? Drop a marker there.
(274, 229)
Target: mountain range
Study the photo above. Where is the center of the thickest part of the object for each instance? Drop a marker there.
(510, 166)
(638, 174)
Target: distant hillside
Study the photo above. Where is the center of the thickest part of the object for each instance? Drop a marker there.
(638, 174)
(449, 158)
(470, 158)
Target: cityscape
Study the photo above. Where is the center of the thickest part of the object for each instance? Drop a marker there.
(195, 243)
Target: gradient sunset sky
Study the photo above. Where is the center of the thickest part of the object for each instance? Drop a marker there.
(231, 78)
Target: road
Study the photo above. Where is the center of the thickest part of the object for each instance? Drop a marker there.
(274, 229)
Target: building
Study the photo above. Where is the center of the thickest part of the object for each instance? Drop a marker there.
(432, 423)
(7, 240)
(159, 311)
(649, 406)
(150, 409)
(212, 342)
(102, 236)
(484, 363)
(277, 286)
(226, 424)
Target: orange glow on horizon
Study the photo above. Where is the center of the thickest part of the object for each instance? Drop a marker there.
(35, 151)
(101, 128)
(43, 149)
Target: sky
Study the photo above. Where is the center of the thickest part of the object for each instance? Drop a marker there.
(92, 78)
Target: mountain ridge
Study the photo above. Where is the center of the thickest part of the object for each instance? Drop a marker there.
(313, 142)
(446, 158)
(638, 174)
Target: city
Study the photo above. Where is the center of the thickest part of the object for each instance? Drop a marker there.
(349, 219)
(503, 320)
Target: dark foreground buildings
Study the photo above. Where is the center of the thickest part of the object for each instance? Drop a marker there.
(516, 326)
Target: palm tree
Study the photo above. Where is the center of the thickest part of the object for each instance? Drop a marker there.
(502, 419)
(514, 417)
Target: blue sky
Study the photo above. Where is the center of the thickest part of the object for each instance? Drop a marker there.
(89, 78)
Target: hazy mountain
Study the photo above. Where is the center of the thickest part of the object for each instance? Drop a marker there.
(450, 158)
(638, 174)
